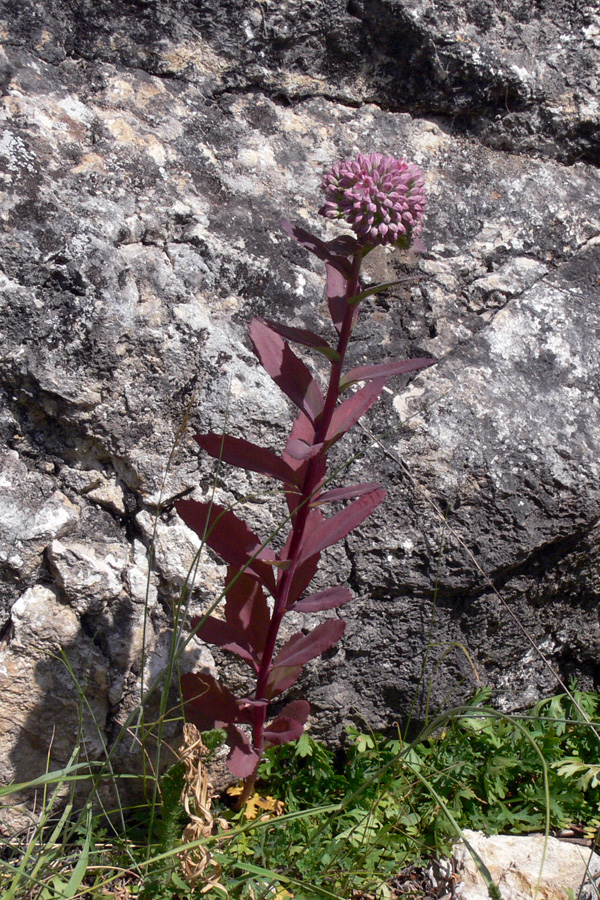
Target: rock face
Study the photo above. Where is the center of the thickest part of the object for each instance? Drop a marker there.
(148, 150)
(524, 867)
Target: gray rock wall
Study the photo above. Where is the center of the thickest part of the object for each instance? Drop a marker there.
(148, 149)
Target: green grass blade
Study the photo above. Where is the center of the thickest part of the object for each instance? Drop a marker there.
(79, 872)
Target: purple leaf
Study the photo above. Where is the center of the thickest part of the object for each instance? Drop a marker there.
(300, 450)
(246, 609)
(314, 520)
(327, 599)
(384, 370)
(346, 493)
(286, 369)
(339, 526)
(301, 648)
(349, 412)
(230, 538)
(247, 620)
(302, 577)
(244, 455)
(281, 679)
(315, 245)
(302, 430)
(336, 295)
(209, 704)
(289, 724)
(222, 634)
(344, 245)
(307, 338)
(243, 758)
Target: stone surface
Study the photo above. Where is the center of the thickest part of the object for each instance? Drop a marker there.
(148, 150)
(525, 867)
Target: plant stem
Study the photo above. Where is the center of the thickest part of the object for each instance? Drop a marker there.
(309, 487)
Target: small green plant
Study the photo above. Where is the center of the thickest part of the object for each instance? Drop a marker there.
(357, 818)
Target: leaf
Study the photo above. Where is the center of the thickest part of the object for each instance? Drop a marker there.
(270, 807)
(243, 758)
(209, 704)
(314, 520)
(349, 412)
(222, 634)
(302, 430)
(81, 869)
(384, 286)
(281, 679)
(230, 538)
(247, 609)
(307, 338)
(330, 598)
(289, 724)
(346, 493)
(316, 246)
(337, 285)
(339, 526)
(245, 455)
(384, 370)
(301, 648)
(302, 577)
(300, 450)
(247, 620)
(286, 369)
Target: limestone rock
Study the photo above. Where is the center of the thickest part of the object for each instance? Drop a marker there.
(88, 575)
(525, 867)
(148, 150)
(46, 668)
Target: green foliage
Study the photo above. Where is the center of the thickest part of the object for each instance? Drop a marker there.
(388, 796)
(353, 818)
(163, 879)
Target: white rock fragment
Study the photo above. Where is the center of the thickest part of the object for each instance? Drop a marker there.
(89, 574)
(110, 495)
(525, 867)
(40, 620)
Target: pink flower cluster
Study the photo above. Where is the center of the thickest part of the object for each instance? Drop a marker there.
(382, 198)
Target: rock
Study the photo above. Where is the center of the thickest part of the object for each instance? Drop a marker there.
(89, 575)
(33, 511)
(148, 152)
(46, 667)
(523, 867)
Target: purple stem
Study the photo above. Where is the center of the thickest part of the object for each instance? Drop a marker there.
(299, 521)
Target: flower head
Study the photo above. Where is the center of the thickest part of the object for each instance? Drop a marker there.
(382, 198)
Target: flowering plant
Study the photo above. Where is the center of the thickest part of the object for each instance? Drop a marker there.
(383, 200)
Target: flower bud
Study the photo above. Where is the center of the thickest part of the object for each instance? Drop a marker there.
(382, 198)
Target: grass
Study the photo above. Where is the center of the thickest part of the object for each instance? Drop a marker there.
(351, 819)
